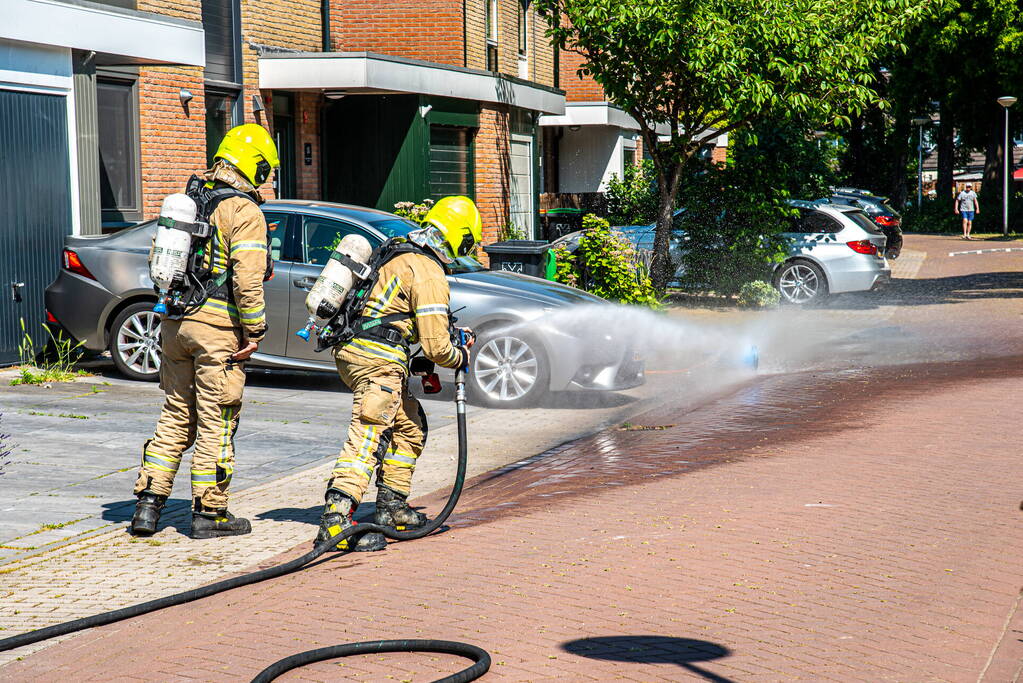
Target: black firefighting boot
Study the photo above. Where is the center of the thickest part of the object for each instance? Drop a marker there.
(208, 523)
(147, 513)
(336, 517)
(392, 510)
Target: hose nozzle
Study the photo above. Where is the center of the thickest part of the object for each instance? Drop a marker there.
(752, 357)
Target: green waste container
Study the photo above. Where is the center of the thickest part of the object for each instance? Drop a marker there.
(560, 222)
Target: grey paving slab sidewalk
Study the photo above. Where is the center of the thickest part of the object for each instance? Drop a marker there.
(89, 574)
(78, 444)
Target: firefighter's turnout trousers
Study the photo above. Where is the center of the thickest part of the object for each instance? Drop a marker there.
(386, 429)
(203, 400)
(386, 424)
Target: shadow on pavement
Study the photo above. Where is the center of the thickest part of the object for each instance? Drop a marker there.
(311, 515)
(295, 379)
(942, 290)
(175, 514)
(652, 650)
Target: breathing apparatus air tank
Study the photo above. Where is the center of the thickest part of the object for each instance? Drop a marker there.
(172, 247)
(346, 264)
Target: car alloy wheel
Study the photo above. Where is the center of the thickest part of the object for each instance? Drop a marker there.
(506, 369)
(801, 283)
(137, 343)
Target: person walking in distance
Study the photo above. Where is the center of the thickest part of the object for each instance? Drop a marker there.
(205, 346)
(408, 304)
(967, 205)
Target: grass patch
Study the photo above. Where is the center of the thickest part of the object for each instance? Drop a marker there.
(58, 366)
(57, 525)
(71, 416)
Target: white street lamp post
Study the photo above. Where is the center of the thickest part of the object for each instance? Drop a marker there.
(920, 123)
(1006, 102)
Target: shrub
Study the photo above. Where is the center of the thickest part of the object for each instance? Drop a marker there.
(632, 199)
(412, 211)
(57, 367)
(605, 264)
(758, 294)
(512, 231)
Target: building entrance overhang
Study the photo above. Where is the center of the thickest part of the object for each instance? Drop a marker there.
(339, 74)
(117, 36)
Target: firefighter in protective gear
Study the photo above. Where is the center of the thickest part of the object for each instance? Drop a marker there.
(202, 371)
(410, 299)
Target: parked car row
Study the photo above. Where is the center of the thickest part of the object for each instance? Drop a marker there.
(834, 247)
(103, 297)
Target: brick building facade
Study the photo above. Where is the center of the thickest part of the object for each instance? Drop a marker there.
(495, 48)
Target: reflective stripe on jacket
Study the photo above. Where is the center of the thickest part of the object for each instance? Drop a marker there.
(414, 284)
(238, 244)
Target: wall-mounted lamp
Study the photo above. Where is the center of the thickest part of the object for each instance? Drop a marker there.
(185, 96)
(574, 128)
(424, 110)
(257, 104)
(334, 94)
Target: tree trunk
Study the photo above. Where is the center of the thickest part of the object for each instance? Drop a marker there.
(992, 186)
(854, 158)
(898, 187)
(945, 186)
(662, 270)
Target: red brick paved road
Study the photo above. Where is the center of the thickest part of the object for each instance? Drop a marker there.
(874, 535)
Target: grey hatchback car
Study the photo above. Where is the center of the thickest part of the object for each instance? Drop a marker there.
(103, 297)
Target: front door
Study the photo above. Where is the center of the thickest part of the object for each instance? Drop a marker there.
(521, 208)
(284, 138)
(318, 236)
(35, 196)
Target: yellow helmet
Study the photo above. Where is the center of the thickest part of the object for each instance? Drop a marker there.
(458, 221)
(251, 150)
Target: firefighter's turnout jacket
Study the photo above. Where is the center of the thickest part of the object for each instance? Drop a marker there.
(203, 386)
(385, 416)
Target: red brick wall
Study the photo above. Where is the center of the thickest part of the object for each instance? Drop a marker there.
(173, 139)
(578, 89)
(719, 154)
(492, 172)
(173, 144)
(307, 130)
(296, 25)
(430, 30)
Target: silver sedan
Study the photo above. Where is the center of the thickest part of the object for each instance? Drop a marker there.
(831, 249)
(103, 297)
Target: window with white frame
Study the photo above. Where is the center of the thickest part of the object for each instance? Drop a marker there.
(493, 20)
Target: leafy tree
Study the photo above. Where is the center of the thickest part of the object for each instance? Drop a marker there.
(959, 60)
(632, 198)
(713, 66)
(733, 214)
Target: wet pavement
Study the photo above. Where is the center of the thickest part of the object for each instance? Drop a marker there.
(850, 514)
(763, 413)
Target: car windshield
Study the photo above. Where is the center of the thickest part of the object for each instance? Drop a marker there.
(860, 219)
(399, 227)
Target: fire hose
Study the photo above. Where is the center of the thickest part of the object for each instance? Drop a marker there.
(481, 659)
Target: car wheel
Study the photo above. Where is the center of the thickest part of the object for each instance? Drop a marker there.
(801, 283)
(135, 342)
(508, 369)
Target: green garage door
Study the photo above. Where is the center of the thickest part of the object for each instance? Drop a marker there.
(35, 200)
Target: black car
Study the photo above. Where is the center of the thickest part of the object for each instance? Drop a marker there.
(877, 208)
